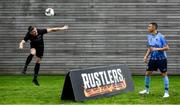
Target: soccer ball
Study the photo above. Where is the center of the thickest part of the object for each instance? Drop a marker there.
(49, 12)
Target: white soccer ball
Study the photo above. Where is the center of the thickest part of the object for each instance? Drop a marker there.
(49, 12)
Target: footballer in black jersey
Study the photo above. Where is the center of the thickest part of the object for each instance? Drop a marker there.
(37, 46)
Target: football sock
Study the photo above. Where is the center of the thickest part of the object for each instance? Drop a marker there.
(147, 82)
(36, 70)
(28, 60)
(166, 84)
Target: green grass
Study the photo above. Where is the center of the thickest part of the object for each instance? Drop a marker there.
(20, 90)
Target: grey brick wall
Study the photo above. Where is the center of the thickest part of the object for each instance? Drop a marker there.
(102, 32)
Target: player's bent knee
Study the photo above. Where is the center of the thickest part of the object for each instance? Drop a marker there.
(164, 74)
(33, 51)
(148, 73)
(38, 60)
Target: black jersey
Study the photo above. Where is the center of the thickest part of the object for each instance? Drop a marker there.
(37, 40)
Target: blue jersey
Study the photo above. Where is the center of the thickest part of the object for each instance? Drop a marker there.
(157, 41)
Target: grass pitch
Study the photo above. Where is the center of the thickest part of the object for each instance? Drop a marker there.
(20, 90)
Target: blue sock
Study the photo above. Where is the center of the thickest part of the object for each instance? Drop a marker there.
(147, 82)
(166, 84)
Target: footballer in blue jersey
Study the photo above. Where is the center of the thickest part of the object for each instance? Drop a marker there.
(156, 49)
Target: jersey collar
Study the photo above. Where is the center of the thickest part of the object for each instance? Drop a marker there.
(154, 34)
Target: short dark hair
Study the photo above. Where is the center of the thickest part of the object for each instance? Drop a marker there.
(30, 28)
(154, 24)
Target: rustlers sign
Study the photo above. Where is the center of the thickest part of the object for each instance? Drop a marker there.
(97, 82)
(102, 82)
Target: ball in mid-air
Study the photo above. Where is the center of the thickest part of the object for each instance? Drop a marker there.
(49, 12)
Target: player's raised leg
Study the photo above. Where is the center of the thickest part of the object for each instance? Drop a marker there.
(28, 60)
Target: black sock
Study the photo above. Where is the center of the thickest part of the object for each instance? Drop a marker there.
(28, 60)
(36, 70)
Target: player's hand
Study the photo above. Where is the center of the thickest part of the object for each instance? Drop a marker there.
(154, 49)
(65, 27)
(21, 46)
(145, 59)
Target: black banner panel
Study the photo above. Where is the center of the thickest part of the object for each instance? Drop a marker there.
(97, 82)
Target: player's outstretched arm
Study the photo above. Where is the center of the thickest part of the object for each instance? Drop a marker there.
(21, 44)
(65, 27)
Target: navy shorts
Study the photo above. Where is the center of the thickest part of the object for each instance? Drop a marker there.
(154, 65)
